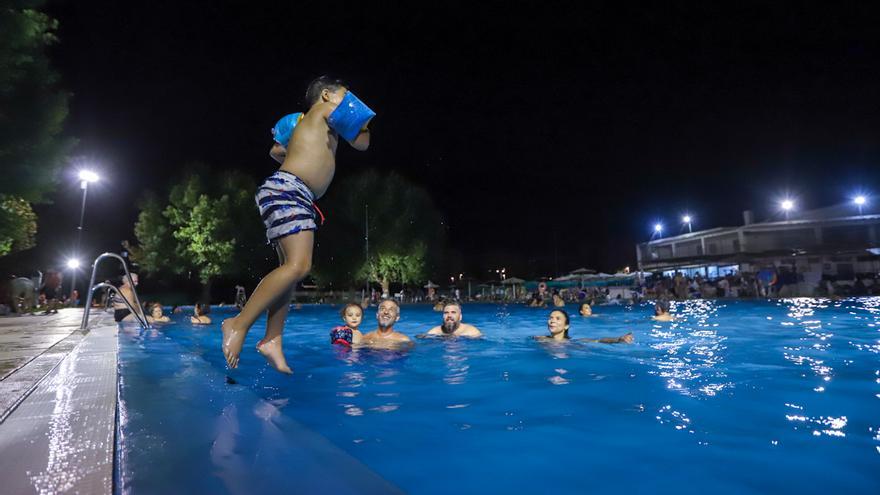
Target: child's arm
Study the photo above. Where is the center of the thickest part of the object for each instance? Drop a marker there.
(362, 141)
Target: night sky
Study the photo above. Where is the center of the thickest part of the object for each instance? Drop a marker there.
(551, 136)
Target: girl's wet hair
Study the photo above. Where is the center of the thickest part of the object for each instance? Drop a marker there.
(565, 317)
(203, 308)
(351, 305)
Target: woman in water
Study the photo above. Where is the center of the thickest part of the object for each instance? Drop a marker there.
(156, 315)
(200, 314)
(559, 323)
(586, 309)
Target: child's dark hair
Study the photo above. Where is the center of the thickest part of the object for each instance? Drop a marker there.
(351, 305)
(203, 309)
(313, 93)
(564, 316)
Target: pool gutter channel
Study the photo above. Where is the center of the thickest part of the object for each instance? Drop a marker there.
(60, 434)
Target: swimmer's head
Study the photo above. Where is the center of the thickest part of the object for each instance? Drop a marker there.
(661, 307)
(156, 310)
(558, 322)
(201, 309)
(327, 89)
(134, 279)
(451, 317)
(388, 313)
(586, 310)
(352, 315)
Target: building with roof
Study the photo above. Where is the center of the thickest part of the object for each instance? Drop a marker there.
(839, 241)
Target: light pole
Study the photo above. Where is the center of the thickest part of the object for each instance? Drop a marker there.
(687, 219)
(85, 177)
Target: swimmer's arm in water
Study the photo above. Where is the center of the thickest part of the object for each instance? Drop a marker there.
(434, 331)
(623, 339)
(357, 338)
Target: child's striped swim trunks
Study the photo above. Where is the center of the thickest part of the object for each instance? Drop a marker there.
(286, 205)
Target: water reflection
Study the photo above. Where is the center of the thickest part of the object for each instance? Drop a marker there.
(691, 350)
(456, 362)
(816, 337)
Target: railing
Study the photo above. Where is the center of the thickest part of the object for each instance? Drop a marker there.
(136, 309)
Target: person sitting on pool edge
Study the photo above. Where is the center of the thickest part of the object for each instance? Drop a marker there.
(452, 325)
(200, 314)
(385, 336)
(348, 335)
(126, 291)
(586, 309)
(661, 311)
(558, 325)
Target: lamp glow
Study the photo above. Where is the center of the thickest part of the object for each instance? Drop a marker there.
(88, 176)
(787, 205)
(73, 264)
(658, 228)
(860, 200)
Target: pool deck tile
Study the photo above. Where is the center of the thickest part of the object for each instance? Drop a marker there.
(59, 402)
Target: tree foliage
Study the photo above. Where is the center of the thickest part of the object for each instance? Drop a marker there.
(32, 112)
(386, 267)
(18, 224)
(208, 225)
(32, 107)
(407, 233)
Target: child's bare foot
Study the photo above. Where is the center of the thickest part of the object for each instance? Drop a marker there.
(233, 340)
(271, 350)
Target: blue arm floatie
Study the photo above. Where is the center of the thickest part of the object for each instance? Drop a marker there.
(350, 116)
(284, 128)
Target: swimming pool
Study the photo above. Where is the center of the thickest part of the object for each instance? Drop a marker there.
(734, 397)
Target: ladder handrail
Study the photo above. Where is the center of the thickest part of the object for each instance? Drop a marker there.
(110, 289)
(141, 317)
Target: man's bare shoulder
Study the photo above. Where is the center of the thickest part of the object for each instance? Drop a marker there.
(469, 331)
(400, 337)
(434, 331)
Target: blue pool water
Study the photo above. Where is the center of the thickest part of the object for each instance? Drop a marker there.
(734, 397)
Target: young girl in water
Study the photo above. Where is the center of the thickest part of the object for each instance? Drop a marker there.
(348, 334)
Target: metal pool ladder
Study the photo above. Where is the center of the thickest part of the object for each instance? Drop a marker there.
(141, 318)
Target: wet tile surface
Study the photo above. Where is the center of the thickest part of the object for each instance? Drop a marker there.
(23, 338)
(60, 438)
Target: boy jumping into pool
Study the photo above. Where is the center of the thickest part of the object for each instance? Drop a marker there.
(286, 200)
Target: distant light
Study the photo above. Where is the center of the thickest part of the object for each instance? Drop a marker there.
(658, 228)
(88, 176)
(686, 219)
(787, 205)
(73, 264)
(860, 200)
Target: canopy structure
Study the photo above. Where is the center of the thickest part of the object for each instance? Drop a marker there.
(431, 285)
(582, 271)
(513, 281)
(595, 280)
